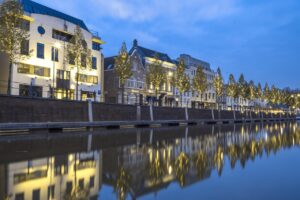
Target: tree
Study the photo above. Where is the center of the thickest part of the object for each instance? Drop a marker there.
(274, 95)
(242, 87)
(79, 54)
(231, 87)
(155, 75)
(252, 90)
(181, 80)
(258, 91)
(200, 81)
(123, 67)
(218, 85)
(12, 35)
(266, 94)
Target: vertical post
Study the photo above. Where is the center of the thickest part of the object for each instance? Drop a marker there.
(212, 114)
(90, 140)
(151, 112)
(138, 113)
(151, 136)
(186, 114)
(90, 110)
(234, 117)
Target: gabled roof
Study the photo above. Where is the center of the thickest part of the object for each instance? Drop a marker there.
(109, 63)
(36, 8)
(145, 52)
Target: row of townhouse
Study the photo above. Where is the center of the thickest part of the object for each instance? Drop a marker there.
(44, 69)
(137, 91)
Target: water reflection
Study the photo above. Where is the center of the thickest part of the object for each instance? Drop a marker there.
(135, 163)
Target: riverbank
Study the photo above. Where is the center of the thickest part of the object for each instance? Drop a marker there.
(19, 113)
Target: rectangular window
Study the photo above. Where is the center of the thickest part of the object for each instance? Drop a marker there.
(31, 91)
(19, 196)
(33, 70)
(63, 36)
(51, 192)
(71, 59)
(88, 79)
(25, 47)
(81, 183)
(83, 60)
(96, 46)
(94, 63)
(69, 187)
(40, 50)
(60, 74)
(54, 54)
(92, 181)
(36, 194)
(24, 24)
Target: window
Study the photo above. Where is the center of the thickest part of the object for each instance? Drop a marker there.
(88, 79)
(92, 181)
(36, 194)
(51, 192)
(30, 91)
(24, 24)
(40, 50)
(94, 63)
(83, 60)
(96, 46)
(63, 36)
(71, 59)
(69, 187)
(25, 47)
(33, 70)
(54, 54)
(81, 183)
(60, 74)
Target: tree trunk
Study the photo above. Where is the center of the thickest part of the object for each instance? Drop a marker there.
(122, 93)
(77, 85)
(9, 83)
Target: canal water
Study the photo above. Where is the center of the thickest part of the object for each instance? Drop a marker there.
(251, 161)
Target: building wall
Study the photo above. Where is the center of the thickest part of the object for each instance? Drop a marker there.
(49, 23)
(193, 98)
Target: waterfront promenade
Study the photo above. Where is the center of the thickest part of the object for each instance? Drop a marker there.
(25, 114)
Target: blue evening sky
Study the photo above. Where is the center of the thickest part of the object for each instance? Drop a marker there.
(260, 38)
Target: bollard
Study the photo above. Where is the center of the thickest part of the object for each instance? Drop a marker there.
(151, 112)
(90, 110)
(186, 114)
(212, 114)
(138, 113)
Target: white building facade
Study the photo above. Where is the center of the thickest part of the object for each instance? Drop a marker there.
(44, 70)
(193, 98)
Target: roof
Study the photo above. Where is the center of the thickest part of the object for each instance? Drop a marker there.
(36, 8)
(109, 63)
(145, 52)
(191, 61)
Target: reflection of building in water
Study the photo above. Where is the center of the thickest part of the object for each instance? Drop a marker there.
(55, 177)
(148, 168)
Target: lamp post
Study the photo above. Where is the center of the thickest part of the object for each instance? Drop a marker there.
(56, 46)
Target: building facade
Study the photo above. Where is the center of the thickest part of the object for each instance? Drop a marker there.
(43, 69)
(193, 98)
(136, 90)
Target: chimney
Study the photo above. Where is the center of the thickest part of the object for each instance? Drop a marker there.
(135, 43)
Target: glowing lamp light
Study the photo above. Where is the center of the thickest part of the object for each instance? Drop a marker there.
(57, 45)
